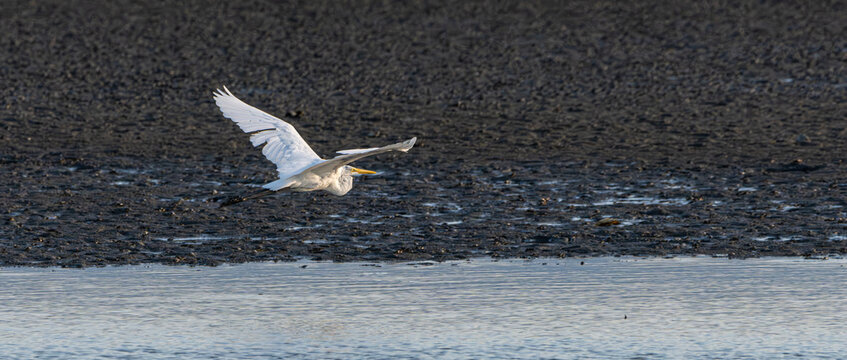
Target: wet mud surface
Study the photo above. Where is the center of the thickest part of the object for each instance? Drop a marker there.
(592, 128)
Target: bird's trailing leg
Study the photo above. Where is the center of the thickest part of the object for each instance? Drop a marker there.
(238, 199)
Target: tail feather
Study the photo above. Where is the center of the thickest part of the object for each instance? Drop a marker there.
(278, 184)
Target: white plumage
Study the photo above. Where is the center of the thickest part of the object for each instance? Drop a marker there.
(299, 167)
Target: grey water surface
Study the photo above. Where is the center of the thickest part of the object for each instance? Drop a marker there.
(547, 308)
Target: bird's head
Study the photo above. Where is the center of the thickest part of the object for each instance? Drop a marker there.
(344, 182)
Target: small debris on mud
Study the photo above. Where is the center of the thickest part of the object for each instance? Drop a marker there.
(607, 222)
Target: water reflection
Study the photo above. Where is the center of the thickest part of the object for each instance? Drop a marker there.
(678, 308)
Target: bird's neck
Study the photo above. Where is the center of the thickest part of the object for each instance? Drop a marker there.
(341, 186)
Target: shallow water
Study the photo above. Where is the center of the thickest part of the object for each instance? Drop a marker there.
(606, 308)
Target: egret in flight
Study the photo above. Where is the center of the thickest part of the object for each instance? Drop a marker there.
(300, 169)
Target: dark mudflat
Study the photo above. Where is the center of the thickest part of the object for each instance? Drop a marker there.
(698, 130)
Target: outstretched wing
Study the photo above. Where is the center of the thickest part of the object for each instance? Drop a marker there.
(355, 151)
(353, 155)
(283, 145)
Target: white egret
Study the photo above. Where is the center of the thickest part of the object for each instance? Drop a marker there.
(300, 169)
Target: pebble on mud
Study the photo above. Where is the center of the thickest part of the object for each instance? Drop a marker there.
(802, 139)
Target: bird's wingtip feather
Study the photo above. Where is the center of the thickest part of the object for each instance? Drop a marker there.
(408, 144)
(218, 93)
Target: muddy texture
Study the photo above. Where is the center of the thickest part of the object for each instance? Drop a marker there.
(696, 128)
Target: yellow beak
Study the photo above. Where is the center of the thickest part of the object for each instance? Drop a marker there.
(362, 171)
